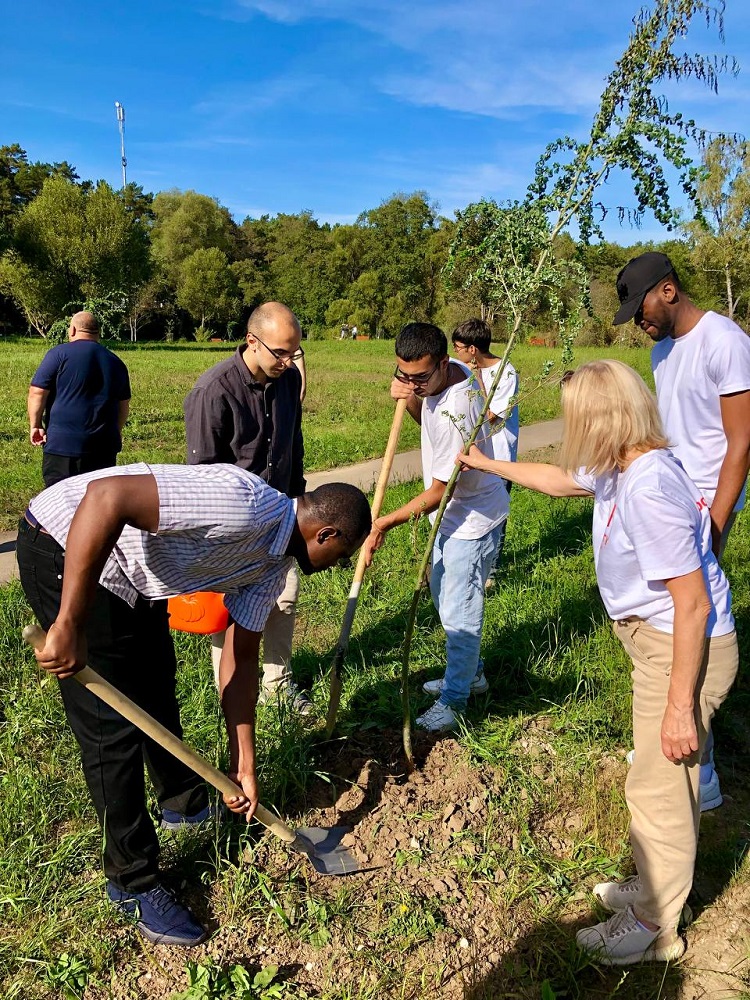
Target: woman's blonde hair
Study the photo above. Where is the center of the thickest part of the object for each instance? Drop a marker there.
(608, 411)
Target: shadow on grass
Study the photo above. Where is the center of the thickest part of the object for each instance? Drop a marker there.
(545, 963)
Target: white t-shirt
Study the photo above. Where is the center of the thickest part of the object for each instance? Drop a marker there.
(504, 442)
(651, 524)
(480, 501)
(691, 373)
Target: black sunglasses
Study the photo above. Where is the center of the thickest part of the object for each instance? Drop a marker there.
(415, 379)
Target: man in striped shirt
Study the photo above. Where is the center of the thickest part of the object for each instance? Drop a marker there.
(98, 555)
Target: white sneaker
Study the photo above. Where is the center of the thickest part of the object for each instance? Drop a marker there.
(618, 896)
(622, 941)
(710, 793)
(479, 685)
(438, 718)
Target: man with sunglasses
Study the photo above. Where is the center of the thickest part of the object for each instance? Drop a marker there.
(247, 411)
(443, 400)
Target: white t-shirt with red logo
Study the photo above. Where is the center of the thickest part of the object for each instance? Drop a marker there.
(480, 501)
(691, 373)
(651, 524)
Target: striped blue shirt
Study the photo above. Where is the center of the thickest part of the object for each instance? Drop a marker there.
(220, 529)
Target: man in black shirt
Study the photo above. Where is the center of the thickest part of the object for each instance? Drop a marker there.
(246, 411)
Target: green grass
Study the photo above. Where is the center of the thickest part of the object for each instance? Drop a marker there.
(347, 411)
(548, 742)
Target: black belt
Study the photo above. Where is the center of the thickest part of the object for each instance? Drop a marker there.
(33, 523)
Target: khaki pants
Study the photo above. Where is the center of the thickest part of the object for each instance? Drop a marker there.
(277, 638)
(663, 797)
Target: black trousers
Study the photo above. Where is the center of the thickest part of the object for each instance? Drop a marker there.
(57, 467)
(132, 648)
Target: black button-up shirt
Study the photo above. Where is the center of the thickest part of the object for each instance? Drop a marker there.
(231, 417)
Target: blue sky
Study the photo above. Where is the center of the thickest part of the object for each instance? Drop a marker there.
(328, 105)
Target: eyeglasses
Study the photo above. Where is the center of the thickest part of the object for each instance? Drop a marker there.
(460, 347)
(415, 379)
(280, 355)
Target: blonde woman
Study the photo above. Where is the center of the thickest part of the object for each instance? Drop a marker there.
(670, 607)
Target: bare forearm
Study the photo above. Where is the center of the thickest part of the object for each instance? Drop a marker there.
(688, 644)
(732, 478)
(424, 503)
(238, 691)
(414, 408)
(35, 403)
(539, 476)
(123, 411)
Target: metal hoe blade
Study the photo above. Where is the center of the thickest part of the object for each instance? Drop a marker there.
(323, 848)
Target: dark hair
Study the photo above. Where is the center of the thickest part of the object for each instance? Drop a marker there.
(344, 507)
(473, 333)
(419, 339)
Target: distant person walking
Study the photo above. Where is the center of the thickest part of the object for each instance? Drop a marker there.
(78, 403)
(701, 365)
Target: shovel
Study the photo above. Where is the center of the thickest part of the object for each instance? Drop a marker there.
(359, 573)
(322, 847)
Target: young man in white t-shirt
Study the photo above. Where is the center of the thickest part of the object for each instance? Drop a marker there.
(441, 398)
(471, 342)
(701, 365)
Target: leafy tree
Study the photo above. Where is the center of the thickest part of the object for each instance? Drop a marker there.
(185, 222)
(720, 238)
(399, 248)
(34, 291)
(73, 244)
(21, 181)
(298, 266)
(206, 287)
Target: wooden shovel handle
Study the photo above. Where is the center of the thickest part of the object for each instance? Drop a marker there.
(334, 696)
(128, 709)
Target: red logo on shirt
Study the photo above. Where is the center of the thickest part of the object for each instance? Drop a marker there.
(701, 504)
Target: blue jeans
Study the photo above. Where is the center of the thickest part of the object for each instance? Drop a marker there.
(460, 567)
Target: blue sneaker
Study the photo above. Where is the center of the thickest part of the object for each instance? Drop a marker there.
(171, 820)
(158, 915)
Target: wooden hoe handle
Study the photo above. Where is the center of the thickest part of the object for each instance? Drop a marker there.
(128, 709)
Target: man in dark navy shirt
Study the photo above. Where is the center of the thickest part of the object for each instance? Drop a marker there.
(78, 403)
(247, 411)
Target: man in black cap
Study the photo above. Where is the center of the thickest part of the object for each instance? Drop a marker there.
(701, 365)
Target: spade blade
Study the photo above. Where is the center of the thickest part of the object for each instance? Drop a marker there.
(323, 848)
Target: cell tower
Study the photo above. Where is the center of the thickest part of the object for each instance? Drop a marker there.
(121, 125)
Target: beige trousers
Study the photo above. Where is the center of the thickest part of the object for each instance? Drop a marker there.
(277, 638)
(663, 797)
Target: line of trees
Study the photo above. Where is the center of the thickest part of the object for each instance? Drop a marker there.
(176, 264)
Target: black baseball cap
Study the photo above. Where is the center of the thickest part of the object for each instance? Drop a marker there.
(636, 279)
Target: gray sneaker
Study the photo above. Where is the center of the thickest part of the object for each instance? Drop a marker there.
(479, 685)
(294, 699)
(622, 941)
(439, 718)
(618, 896)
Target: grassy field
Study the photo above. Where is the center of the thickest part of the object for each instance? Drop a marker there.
(480, 863)
(347, 410)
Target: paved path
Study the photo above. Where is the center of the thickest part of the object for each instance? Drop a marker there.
(406, 467)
